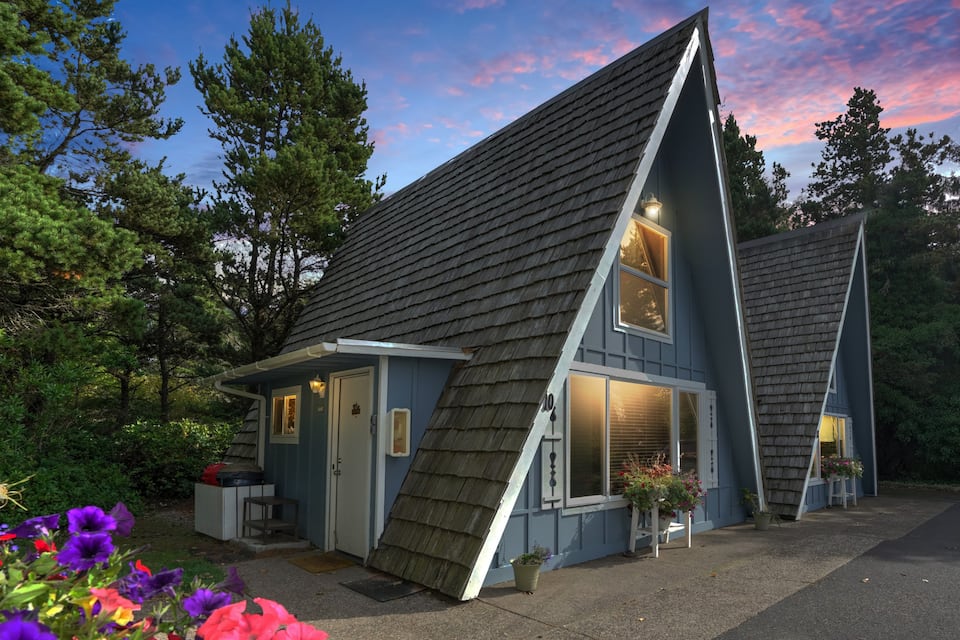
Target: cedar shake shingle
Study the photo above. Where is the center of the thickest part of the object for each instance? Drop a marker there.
(493, 251)
(794, 290)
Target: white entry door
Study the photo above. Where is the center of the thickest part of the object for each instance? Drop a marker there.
(350, 451)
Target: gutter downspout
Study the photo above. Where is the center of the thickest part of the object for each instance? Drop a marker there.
(261, 418)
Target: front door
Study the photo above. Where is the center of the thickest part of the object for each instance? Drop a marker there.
(351, 442)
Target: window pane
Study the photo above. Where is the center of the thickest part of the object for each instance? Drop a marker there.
(832, 436)
(644, 249)
(276, 418)
(588, 400)
(689, 425)
(291, 421)
(640, 423)
(642, 303)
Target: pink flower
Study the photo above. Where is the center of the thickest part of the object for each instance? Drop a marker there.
(226, 623)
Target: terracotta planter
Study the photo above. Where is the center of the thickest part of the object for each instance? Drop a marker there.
(526, 577)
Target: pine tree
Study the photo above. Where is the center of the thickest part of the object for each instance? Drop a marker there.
(851, 174)
(289, 120)
(758, 204)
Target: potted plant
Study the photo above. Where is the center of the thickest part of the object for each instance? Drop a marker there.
(654, 482)
(526, 568)
(761, 519)
(841, 467)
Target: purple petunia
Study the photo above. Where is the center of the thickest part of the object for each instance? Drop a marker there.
(124, 519)
(138, 585)
(203, 602)
(163, 582)
(232, 583)
(133, 585)
(85, 550)
(19, 628)
(90, 520)
(36, 527)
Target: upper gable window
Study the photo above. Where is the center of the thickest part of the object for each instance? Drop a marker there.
(285, 415)
(645, 277)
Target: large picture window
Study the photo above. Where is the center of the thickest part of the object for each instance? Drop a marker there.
(611, 420)
(645, 277)
(285, 415)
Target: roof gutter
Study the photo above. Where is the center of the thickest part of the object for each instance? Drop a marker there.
(342, 346)
(261, 417)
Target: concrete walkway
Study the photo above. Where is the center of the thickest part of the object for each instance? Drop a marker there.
(729, 576)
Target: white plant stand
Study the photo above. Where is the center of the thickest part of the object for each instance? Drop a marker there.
(837, 488)
(654, 531)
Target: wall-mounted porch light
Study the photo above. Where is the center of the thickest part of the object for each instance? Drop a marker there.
(318, 386)
(651, 207)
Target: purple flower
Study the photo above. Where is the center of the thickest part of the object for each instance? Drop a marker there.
(162, 582)
(203, 602)
(19, 628)
(232, 583)
(84, 550)
(124, 519)
(36, 527)
(133, 585)
(90, 520)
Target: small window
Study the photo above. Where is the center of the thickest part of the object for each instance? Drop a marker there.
(285, 415)
(645, 277)
(832, 441)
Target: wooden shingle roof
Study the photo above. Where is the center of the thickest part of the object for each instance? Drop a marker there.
(493, 251)
(795, 288)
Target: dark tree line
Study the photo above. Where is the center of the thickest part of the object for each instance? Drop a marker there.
(119, 284)
(909, 189)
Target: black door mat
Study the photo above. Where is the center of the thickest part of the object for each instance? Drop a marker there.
(382, 587)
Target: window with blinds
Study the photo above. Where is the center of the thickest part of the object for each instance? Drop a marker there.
(609, 420)
(640, 423)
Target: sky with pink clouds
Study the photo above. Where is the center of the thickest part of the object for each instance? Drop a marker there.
(443, 74)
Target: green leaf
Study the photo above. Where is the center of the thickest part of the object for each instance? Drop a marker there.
(25, 594)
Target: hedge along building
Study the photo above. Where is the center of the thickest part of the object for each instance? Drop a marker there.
(808, 321)
(520, 322)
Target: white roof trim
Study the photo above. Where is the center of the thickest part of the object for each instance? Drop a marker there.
(342, 346)
(594, 291)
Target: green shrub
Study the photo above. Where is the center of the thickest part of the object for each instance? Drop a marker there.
(169, 458)
(74, 467)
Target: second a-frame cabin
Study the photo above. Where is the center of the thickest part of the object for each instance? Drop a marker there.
(492, 341)
(805, 293)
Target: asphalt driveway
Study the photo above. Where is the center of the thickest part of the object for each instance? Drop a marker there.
(799, 580)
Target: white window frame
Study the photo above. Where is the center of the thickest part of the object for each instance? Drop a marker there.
(621, 325)
(286, 392)
(609, 500)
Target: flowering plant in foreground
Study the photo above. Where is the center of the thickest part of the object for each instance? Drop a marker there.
(646, 483)
(74, 584)
(843, 467)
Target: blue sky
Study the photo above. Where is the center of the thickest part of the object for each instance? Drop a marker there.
(443, 74)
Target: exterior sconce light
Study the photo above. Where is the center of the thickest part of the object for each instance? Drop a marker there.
(318, 386)
(651, 207)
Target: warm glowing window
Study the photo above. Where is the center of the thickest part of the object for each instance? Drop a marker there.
(644, 277)
(832, 441)
(610, 420)
(285, 415)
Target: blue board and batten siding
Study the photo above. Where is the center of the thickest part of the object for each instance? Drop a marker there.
(300, 470)
(704, 348)
(414, 384)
